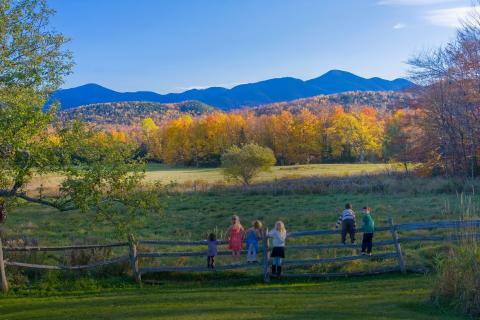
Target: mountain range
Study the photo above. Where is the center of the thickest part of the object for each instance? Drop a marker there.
(250, 94)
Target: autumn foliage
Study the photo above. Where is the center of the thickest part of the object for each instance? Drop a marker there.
(332, 135)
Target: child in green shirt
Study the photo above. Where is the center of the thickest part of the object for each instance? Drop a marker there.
(368, 228)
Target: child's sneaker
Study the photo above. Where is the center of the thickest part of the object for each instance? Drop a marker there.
(364, 253)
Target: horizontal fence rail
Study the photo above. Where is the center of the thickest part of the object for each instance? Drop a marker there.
(437, 225)
(326, 232)
(179, 242)
(133, 255)
(63, 267)
(184, 254)
(65, 248)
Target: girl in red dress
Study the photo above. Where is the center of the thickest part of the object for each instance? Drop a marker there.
(235, 238)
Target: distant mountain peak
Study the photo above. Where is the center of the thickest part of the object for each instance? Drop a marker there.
(248, 94)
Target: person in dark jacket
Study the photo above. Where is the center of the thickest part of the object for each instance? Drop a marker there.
(348, 222)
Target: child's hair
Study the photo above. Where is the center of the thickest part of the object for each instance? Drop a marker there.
(237, 220)
(366, 208)
(348, 206)
(212, 237)
(280, 227)
(257, 224)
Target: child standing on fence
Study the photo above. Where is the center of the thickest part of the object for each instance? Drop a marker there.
(278, 235)
(235, 238)
(252, 236)
(368, 228)
(348, 222)
(212, 250)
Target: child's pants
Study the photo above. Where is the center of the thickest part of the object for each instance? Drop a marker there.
(348, 226)
(211, 262)
(367, 242)
(251, 253)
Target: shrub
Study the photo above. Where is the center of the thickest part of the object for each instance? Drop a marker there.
(247, 162)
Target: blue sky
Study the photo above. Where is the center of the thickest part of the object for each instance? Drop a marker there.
(171, 46)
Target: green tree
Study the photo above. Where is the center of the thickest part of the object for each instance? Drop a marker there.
(32, 65)
(247, 162)
(100, 171)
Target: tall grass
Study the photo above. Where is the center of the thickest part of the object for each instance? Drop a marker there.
(458, 279)
(458, 274)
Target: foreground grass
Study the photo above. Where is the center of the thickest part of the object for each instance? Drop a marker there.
(382, 297)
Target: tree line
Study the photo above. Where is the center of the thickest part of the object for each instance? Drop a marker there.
(330, 135)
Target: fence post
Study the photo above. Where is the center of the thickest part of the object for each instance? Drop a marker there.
(401, 262)
(3, 275)
(266, 277)
(134, 258)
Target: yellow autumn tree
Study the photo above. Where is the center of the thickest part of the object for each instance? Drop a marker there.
(356, 134)
(283, 126)
(152, 139)
(177, 148)
(370, 134)
(149, 126)
(305, 138)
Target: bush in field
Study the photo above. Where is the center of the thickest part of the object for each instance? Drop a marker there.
(458, 282)
(245, 163)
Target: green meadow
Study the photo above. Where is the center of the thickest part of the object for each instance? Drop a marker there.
(191, 215)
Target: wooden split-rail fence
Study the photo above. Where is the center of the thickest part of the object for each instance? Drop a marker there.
(462, 230)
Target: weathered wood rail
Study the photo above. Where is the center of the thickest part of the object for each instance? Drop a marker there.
(464, 229)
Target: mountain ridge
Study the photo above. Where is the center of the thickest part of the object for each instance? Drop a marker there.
(248, 94)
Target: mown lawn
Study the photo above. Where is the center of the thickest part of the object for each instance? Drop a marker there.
(380, 297)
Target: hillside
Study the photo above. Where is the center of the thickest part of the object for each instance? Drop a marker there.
(382, 100)
(128, 113)
(133, 112)
(250, 94)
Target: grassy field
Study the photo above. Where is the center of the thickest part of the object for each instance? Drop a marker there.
(381, 297)
(191, 215)
(159, 172)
